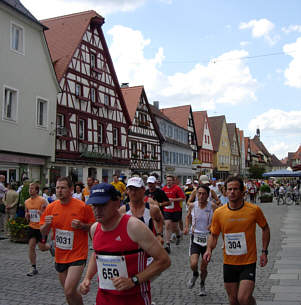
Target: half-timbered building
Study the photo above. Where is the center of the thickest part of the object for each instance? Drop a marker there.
(205, 145)
(92, 118)
(144, 136)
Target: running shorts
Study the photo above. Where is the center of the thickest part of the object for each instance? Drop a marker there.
(237, 273)
(173, 216)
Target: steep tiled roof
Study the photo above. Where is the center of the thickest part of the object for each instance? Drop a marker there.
(231, 127)
(261, 146)
(199, 122)
(216, 125)
(64, 35)
(18, 6)
(276, 162)
(298, 153)
(131, 97)
(179, 115)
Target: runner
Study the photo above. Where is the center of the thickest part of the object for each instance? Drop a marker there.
(237, 223)
(189, 188)
(86, 190)
(199, 216)
(34, 207)
(172, 212)
(70, 219)
(148, 213)
(121, 243)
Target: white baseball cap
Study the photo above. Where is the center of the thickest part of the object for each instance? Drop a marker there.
(204, 179)
(188, 181)
(136, 182)
(151, 179)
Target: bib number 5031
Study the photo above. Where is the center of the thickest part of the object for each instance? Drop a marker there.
(108, 273)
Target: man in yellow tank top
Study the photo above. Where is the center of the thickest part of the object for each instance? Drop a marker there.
(237, 221)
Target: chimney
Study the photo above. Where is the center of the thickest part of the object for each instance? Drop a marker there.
(156, 104)
(124, 85)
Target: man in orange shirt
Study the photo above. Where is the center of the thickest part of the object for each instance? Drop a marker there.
(86, 190)
(237, 221)
(70, 219)
(34, 207)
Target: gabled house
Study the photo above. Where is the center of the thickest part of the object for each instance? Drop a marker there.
(235, 149)
(221, 146)
(242, 152)
(176, 151)
(295, 159)
(204, 141)
(182, 116)
(276, 164)
(92, 118)
(144, 136)
(28, 92)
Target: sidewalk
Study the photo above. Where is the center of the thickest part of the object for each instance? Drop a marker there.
(288, 267)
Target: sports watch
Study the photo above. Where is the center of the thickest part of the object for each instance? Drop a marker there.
(135, 280)
(266, 252)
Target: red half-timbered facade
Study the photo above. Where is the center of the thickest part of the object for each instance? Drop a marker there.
(144, 136)
(92, 118)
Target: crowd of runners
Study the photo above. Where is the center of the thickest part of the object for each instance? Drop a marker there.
(132, 224)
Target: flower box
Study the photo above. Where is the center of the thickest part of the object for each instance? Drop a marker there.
(18, 229)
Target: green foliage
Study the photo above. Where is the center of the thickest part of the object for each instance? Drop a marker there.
(265, 188)
(17, 227)
(24, 194)
(255, 172)
(266, 197)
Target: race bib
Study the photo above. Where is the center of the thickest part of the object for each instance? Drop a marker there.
(171, 206)
(64, 239)
(34, 215)
(108, 267)
(200, 239)
(235, 243)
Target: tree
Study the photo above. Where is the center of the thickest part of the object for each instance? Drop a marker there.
(255, 171)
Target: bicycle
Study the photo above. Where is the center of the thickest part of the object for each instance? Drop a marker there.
(288, 198)
(281, 199)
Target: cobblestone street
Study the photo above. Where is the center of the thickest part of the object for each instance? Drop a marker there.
(169, 288)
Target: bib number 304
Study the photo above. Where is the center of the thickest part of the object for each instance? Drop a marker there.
(235, 243)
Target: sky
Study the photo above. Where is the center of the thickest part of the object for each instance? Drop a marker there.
(241, 59)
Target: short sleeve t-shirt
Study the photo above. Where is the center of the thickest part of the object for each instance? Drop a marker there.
(34, 207)
(157, 195)
(71, 244)
(173, 192)
(239, 232)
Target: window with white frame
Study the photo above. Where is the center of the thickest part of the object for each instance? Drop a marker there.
(60, 124)
(78, 89)
(93, 60)
(106, 100)
(41, 113)
(115, 136)
(93, 95)
(81, 129)
(100, 133)
(17, 38)
(10, 104)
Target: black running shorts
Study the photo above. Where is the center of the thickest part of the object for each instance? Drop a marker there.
(237, 273)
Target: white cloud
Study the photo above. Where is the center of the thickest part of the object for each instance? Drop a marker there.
(225, 80)
(261, 28)
(291, 28)
(293, 72)
(55, 8)
(275, 126)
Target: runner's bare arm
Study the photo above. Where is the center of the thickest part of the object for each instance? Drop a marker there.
(141, 234)
(158, 220)
(84, 287)
(211, 244)
(122, 209)
(265, 244)
(192, 196)
(188, 218)
(214, 196)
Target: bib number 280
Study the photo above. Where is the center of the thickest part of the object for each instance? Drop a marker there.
(108, 273)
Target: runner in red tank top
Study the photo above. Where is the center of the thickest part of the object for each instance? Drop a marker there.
(120, 244)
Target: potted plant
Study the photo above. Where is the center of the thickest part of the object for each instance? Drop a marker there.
(17, 228)
(265, 193)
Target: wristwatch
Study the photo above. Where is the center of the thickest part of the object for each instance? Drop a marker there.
(266, 252)
(135, 280)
